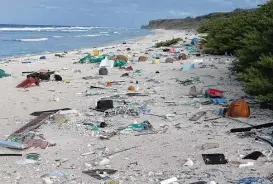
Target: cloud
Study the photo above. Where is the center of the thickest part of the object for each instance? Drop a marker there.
(49, 7)
(179, 13)
(100, 1)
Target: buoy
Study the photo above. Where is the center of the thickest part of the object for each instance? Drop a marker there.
(131, 88)
(103, 71)
(109, 84)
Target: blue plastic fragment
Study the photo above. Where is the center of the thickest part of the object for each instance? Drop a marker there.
(10, 144)
(219, 100)
(254, 180)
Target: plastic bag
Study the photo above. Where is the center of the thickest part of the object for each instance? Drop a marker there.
(107, 63)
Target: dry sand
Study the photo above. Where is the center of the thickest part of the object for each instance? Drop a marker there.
(157, 156)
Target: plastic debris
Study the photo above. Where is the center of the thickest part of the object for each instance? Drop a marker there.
(145, 125)
(248, 164)
(213, 159)
(189, 162)
(92, 59)
(33, 156)
(120, 63)
(47, 180)
(100, 173)
(103, 71)
(169, 181)
(10, 144)
(254, 155)
(253, 180)
(3, 74)
(219, 100)
(107, 63)
(187, 67)
(104, 161)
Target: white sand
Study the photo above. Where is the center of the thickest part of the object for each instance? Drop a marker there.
(158, 156)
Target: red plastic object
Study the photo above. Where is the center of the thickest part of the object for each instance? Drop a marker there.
(28, 82)
(172, 50)
(215, 93)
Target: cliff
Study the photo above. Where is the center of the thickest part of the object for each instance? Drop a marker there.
(189, 22)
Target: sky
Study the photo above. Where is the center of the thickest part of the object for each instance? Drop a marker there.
(110, 13)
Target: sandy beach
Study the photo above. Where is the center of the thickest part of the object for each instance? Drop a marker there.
(152, 157)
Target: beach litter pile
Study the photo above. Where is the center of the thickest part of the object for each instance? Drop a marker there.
(129, 117)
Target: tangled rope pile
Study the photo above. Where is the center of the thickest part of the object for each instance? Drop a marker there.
(131, 111)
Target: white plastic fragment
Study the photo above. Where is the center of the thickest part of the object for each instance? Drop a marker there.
(246, 165)
(73, 111)
(104, 161)
(47, 180)
(189, 162)
(169, 181)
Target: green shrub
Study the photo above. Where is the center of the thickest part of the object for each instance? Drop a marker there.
(258, 80)
(249, 36)
(168, 42)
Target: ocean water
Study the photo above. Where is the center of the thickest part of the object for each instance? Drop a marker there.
(18, 40)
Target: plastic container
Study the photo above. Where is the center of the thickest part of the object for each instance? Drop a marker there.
(96, 52)
(155, 61)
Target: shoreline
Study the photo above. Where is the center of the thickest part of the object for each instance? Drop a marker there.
(114, 43)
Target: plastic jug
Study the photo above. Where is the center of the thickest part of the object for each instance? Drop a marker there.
(96, 52)
(107, 63)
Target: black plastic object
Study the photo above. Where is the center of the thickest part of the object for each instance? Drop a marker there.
(97, 172)
(58, 78)
(96, 87)
(103, 105)
(38, 113)
(103, 71)
(247, 129)
(125, 75)
(11, 155)
(214, 159)
(254, 155)
(103, 125)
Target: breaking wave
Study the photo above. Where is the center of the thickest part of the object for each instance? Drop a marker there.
(32, 40)
(68, 29)
(57, 36)
(91, 35)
